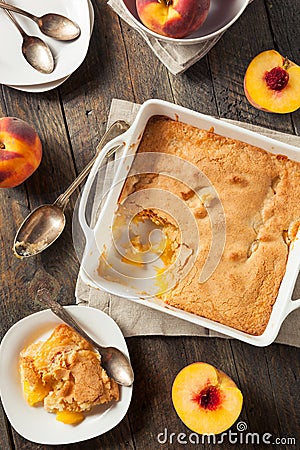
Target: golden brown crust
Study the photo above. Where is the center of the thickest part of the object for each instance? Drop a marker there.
(260, 195)
(71, 368)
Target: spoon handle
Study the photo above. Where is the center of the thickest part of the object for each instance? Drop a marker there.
(117, 128)
(43, 295)
(12, 18)
(115, 362)
(9, 7)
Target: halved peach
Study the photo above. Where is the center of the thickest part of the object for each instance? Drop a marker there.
(206, 399)
(272, 83)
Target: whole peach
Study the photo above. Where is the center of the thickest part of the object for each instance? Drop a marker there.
(173, 18)
(20, 151)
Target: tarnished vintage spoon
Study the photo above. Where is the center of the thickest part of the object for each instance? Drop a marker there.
(35, 51)
(53, 25)
(115, 363)
(45, 224)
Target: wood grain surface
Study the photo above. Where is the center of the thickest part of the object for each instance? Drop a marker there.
(70, 121)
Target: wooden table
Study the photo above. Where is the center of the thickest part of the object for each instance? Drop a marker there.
(70, 121)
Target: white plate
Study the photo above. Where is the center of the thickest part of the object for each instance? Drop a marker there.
(53, 84)
(68, 55)
(34, 423)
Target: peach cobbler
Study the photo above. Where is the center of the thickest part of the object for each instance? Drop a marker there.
(259, 192)
(64, 372)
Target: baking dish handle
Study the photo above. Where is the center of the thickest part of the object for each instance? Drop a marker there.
(110, 148)
(293, 268)
(291, 306)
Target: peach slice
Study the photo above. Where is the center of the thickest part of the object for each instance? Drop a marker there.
(206, 399)
(69, 417)
(272, 83)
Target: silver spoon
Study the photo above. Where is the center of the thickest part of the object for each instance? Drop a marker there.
(35, 51)
(45, 224)
(52, 25)
(115, 363)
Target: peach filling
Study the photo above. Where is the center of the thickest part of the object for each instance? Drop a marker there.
(166, 248)
(35, 393)
(69, 417)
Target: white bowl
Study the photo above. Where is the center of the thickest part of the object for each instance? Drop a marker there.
(222, 14)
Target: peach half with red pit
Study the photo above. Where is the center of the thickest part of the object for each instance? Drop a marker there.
(173, 18)
(272, 83)
(20, 151)
(206, 399)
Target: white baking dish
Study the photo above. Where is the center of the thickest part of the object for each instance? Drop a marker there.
(98, 238)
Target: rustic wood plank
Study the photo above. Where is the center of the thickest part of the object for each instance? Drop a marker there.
(284, 23)
(284, 369)
(43, 112)
(257, 388)
(106, 75)
(193, 89)
(149, 77)
(6, 441)
(119, 437)
(156, 363)
(296, 122)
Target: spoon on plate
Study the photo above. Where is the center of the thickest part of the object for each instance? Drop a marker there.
(35, 51)
(46, 223)
(115, 363)
(53, 25)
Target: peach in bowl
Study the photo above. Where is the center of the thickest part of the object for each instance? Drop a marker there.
(184, 22)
